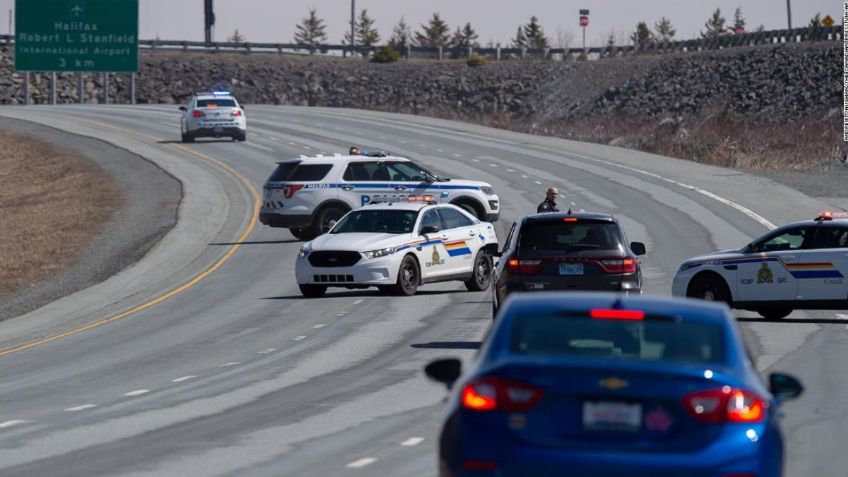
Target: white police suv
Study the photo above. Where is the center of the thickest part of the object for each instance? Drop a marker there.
(397, 246)
(309, 194)
(803, 265)
(213, 114)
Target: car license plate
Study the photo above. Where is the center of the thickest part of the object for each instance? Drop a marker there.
(612, 416)
(571, 269)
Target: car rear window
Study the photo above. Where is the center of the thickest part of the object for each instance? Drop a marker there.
(216, 103)
(298, 172)
(646, 340)
(561, 236)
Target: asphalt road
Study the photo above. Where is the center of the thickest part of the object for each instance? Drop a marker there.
(233, 373)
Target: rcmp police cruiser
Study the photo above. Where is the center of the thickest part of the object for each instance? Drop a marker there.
(397, 246)
(803, 265)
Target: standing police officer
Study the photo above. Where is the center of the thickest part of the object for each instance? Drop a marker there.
(549, 204)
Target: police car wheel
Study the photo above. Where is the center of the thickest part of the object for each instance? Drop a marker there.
(408, 277)
(481, 275)
(709, 288)
(187, 137)
(327, 218)
(313, 291)
(775, 313)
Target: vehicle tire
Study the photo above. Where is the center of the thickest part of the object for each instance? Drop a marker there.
(472, 208)
(481, 275)
(775, 313)
(408, 277)
(302, 234)
(313, 291)
(709, 288)
(241, 137)
(326, 218)
(187, 137)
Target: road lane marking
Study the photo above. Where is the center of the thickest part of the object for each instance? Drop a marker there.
(307, 147)
(299, 338)
(184, 378)
(229, 365)
(291, 143)
(440, 150)
(82, 407)
(274, 138)
(268, 350)
(358, 464)
(358, 301)
(493, 165)
(412, 441)
(259, 146)
(257, 204)
(319, 326)
(341, 313)
(13, 422)
(476, 160)
(537, 182)
(457, 155)
(510, 170)
(137, 392)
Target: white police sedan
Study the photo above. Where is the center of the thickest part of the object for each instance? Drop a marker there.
(213, 114)
(397, 247)
(802, 265)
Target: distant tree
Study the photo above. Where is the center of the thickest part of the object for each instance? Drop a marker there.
(738, 21)
(311, 31)
(760, 28)
(816, 20)
(465, 37)
(535, 35)
(401, 35)
(611, 40)
(366, 34)
(520, 40)
(236, 37)
(665, 31)
(643, 35)
(434, 34)
(715, 26)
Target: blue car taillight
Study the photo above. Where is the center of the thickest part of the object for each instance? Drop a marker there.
(492, 393)
(725, 404)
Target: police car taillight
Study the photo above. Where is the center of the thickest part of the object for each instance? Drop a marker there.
(289, 190)
(236, 113)
(198, 114)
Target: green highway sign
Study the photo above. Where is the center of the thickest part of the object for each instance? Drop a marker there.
(76, 35)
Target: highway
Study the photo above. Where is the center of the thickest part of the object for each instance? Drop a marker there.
(203, 359)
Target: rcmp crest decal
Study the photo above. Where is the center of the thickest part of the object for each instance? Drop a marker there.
(436, 259)
(764, 274)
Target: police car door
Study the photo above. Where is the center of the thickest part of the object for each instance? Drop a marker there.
(364, 182)
(461, 241)
(822, 268)
(431, 252)
(766, 274)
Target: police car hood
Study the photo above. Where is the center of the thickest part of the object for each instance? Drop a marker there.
(720, 255)
(358, 242)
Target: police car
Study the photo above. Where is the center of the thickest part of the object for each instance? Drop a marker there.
(309, 194)
(803, 265)
(398, 246)
(213, 114)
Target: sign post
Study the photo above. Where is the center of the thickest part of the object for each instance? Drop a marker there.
(584, 22)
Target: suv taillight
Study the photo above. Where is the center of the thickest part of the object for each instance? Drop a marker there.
(497, 394)
(289, 190)
(725, 404)
(618, 265)
(198, 114)
(516, 265)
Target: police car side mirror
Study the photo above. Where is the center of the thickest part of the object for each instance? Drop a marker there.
(430, 229)
(183, 108)
(638, 248)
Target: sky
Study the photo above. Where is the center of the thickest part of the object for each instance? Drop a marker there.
(495, 20)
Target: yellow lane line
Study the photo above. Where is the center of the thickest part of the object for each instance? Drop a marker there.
(181, 288)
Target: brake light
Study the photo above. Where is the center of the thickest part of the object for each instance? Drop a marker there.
(479, 465)
(613, 314)
(523, 266)
(289, 190)
(497, 394)
(236, 113)
(198, 114)
(618, 265)
(570, 219)
(725, 404)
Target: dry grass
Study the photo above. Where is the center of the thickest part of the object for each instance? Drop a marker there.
(52, 203)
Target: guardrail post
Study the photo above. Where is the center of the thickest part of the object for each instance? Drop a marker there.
(546, 52)
(523, 52)
(470, 51)
(52, 87)
(105, 88)
(26, 88)
(440, 53)
(80, 88)
(132, 88)
(408, 51)
(498, 54)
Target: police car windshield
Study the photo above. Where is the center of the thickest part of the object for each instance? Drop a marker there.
(216, 103)
(377, 221)
(425, 171)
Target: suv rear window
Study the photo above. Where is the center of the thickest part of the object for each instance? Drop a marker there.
(216, 103)
(298, 172)
(646, 340)
(560, 236)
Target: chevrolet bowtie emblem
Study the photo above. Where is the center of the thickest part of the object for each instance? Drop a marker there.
(613, 383)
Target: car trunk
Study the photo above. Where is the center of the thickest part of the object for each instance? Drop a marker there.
(579, 270)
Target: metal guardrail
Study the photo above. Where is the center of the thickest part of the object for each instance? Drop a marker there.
(727, 41)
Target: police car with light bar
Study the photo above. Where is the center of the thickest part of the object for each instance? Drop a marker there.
(803, 265)
(213, 114)
(308, 195)
(398, 246)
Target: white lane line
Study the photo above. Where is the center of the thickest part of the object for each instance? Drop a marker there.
(254, 134)
(82, 407)
(307, 147)
(493, 165)
(229, 365)
(358, 464)
(573, 203)
(274, 138)
(475, 160)
(137, 392)
(457, 155)
(537, 182)
(510, 170)
(524, 176)
(440, 150)
(412, 441)
(358, 301)
(299, 338)
(259, 146)
(291, 143)
(319, 326)
(184, 378)
(423, 146)
(382, 137)
(13, 422)
(267, 351)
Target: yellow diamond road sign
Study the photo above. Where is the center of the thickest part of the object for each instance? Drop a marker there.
(827, 21)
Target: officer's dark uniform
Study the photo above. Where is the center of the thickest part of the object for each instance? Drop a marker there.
(547, 206)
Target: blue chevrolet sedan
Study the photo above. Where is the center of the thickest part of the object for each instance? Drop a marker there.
(604, 385)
